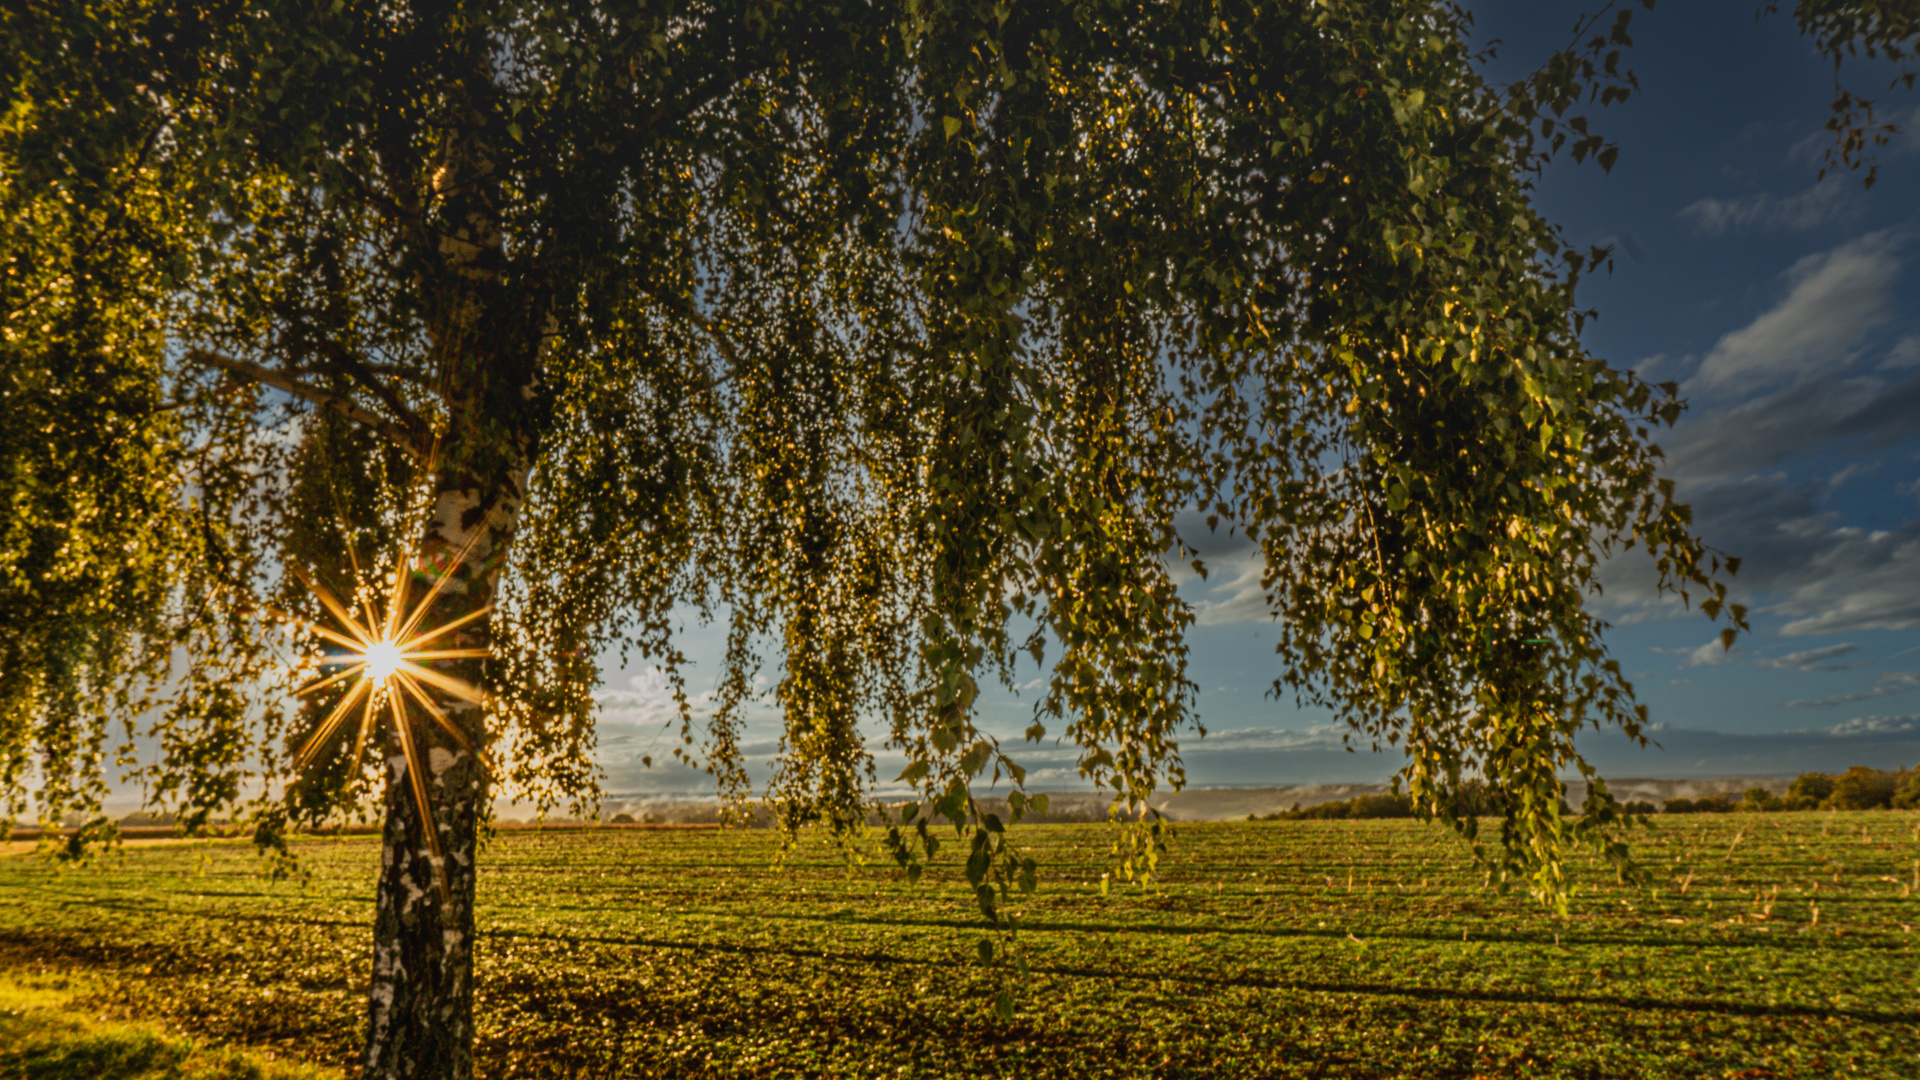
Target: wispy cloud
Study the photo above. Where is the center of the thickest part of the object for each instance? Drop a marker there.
(1816, 206)
(1761, 432)
(1857, 579)
(1888, 684)
(1799, 561)
(1904, 354)
(1317, 737)
(1713, 652)
(1814, 659)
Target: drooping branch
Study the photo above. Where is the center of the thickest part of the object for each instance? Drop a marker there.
(339, 404)
(685, 308)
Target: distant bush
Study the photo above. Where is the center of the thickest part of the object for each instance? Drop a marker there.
(1808, 791)
(1358, 807)
(623, 819)
(1759, 798)
(1639, 806)
(1473, 799)
(1705, 804)
(1863, 788)
(1908, 796)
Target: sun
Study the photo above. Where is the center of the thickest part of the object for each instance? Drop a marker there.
(383, 659)
(388, 662)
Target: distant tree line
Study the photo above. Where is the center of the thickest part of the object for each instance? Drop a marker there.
(1472, 799)
(1859, 788)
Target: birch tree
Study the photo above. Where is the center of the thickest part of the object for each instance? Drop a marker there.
(899, 336)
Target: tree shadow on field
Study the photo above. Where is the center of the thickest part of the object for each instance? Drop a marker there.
(1446, 932)
(1189, 978)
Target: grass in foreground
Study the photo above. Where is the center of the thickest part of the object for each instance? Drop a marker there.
(45, 1036)
(1775, 946)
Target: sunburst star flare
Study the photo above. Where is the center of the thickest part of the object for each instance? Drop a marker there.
(387, 667)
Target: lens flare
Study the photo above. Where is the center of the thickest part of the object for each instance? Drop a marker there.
(389, 669)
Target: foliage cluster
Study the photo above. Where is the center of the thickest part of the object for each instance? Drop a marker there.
(1844, 30)
(1773, 945)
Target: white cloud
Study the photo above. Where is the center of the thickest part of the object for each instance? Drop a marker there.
(1835, 298)
(1232, 592)
(1797, 561)
(1904, 354)
(1756, 434)
(1875, 725)
(1819, 204)
(650, 700)
(1317, 737)
(1713, 652)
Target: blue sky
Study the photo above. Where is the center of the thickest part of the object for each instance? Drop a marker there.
(1789, 312)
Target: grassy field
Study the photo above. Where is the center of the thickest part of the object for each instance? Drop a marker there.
(1776, 946)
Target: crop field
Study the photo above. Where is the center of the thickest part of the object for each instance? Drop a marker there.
(1776, 945)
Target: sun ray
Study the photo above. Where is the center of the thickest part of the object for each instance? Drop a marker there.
(417, 780)
(439, 582)
(446, 724)
(444, 654)
(397, 595)
(322, 684)
(330, 602)
(357, 644)
(444, 682)
(463, 620)
(325, 730)
(366, 600)
(366, 730)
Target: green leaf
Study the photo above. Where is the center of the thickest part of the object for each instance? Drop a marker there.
(975, 758)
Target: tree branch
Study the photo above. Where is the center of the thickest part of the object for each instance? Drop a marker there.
(685, 308)
(359, 371)
(338, 404)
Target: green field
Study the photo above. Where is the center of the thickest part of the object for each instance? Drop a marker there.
(1309, 949)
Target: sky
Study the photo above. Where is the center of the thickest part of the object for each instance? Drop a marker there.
(1788, 310)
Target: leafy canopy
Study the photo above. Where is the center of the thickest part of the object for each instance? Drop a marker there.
(903, 336)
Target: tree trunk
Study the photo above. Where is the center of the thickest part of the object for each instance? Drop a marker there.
(420, 1004)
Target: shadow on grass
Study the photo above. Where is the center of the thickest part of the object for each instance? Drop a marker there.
(1252, 982)
(40, 1044)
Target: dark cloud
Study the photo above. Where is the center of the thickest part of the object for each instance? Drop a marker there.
(1863, 412)
(1879, 741)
